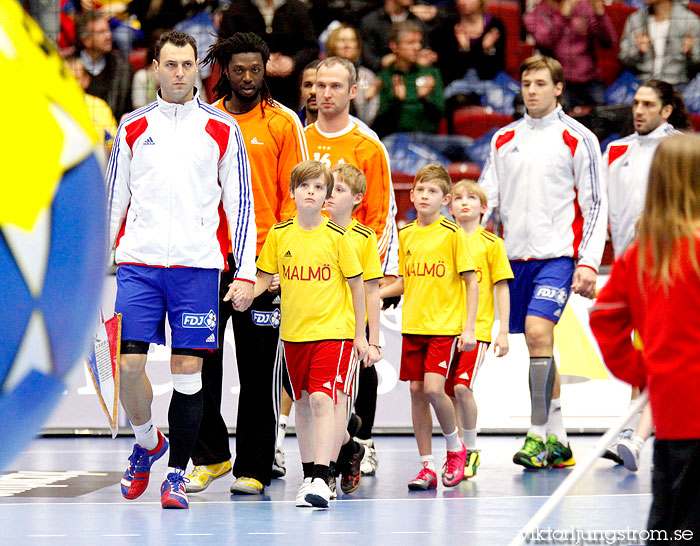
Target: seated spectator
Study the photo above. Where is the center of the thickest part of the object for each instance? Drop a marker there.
(286, 27)
(411, 94)
(471, 47)
(376, 28)
(126, 29)
(469, 38)
(110, 73)
(662, 42)
(344, 41)
(100, 113)
(568, 30)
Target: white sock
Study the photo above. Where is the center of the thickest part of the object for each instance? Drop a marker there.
(634, 422)
(282, 429)
(469, 438)
(556, 422)
(428, 461)
(172, 470)
(453, 441)
(146, 435)
(540, 430)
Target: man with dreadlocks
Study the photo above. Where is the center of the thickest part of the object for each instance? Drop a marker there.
(274, 139)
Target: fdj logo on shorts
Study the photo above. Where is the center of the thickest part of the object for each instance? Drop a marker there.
(267, 318)
(197, 320)
(552, 293)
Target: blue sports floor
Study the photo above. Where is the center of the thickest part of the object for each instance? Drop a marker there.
(65, 491)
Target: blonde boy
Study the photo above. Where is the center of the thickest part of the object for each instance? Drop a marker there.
(468, 205)
(314, 259)
(440, 288)
(349, 187)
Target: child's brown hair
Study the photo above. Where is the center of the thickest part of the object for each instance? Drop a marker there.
(309, 169)
(434, 172)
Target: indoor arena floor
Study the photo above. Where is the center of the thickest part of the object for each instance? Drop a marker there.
(65, 491)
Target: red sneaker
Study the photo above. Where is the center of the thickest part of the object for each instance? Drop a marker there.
(453, 470)
(426, 479)
(135, 478)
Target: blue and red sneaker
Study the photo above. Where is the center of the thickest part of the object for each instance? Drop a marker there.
(135, 478)
(172, 492)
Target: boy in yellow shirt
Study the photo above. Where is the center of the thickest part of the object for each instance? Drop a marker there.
(436, 275)
(493, 271)
(322, 290)
(349, 187)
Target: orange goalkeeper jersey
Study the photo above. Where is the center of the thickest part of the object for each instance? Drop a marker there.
(275, 144)
(355, 146)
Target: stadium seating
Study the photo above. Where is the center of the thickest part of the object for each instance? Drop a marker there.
(461, 170)
(474, 121)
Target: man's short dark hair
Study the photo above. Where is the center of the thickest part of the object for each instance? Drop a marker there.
(313, 65)
(178, 39)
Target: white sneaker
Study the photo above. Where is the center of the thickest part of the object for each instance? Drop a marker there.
(278, 468)
(611, 452)
(301, 494)
(629, 451)
(333, 486)
(369, 463)
(318, 494)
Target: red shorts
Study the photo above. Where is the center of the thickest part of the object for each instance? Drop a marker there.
(426, 354)
(320, 366)
(465, 366)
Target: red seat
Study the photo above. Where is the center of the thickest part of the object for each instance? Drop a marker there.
(138, 58)
(696, 121)
(609, 66)
(461, 170)
(403, 183)
(474, 121)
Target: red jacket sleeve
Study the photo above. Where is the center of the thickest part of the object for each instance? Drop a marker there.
(611, 323)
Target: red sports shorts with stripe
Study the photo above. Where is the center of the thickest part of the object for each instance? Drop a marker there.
(426, 354)
(465, 366)
(320, 366)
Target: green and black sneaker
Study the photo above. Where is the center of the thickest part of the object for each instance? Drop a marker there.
(473, 461)
(533, 454)
(558, 454)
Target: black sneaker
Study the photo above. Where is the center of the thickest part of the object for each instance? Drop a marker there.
(350, 479)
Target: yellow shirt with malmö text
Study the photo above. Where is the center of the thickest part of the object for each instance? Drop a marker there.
(489, 255)
(431, 262)
(313, 267)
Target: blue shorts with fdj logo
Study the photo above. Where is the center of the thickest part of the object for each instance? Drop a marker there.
(539, 288)
(189, 296)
